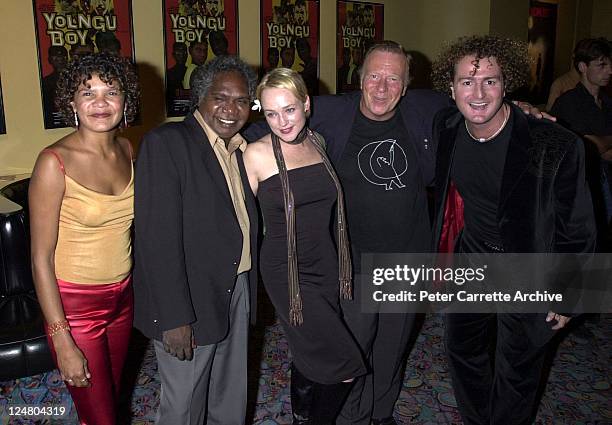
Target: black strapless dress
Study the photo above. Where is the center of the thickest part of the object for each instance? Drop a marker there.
(322, 347)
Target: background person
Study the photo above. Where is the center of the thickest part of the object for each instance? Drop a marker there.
(83, 49)
(214, 7)
(102, 7)
(218, 43)
(300, 195)
(287, 56)
(562, 84)
(272, 56)
(198, 51)
(58, 58)
(587, 110)
(81, 210)
(106, 41)
(368, 15)
(300, 12)
(309, 65)
(175, 74)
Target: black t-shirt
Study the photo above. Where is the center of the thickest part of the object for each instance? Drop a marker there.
(477, 172)
(576, 109)
(386, 201)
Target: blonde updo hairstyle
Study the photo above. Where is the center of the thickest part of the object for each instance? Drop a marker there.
(284, 78)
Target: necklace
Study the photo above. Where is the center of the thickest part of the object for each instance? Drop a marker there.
(494, 135)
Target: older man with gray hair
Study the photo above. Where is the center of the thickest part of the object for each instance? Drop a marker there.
(195, 249)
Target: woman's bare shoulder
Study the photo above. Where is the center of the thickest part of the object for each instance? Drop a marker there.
(260, 147)
(63, 145)
(126, 147)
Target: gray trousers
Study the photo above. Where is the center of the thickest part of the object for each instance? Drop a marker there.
(212, 387)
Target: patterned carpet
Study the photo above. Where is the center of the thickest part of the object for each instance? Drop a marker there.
(578, 390)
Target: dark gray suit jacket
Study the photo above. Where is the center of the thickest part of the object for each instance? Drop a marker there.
(187, 238)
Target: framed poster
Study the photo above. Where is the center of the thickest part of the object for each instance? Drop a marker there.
(290, 38)
(195, 31)
(65, 28)
(2, 122)
(359, 26)
(541, 38)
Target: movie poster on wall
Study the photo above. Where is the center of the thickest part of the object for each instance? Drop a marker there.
(2, 122)
(290, 38)
(65, 28)
(195, 32)
(542, 27)
(359, 26)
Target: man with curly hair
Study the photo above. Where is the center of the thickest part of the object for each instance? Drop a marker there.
(505, 183)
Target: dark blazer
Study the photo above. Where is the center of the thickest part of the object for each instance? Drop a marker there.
(545, 205)
(187, 238)
(333, 117)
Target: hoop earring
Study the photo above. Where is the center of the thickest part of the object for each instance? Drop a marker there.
(125, 123)
(76, 120)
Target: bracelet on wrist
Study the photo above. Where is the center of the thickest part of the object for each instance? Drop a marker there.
(57, 327)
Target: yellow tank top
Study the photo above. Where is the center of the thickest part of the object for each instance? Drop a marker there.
(94, 238)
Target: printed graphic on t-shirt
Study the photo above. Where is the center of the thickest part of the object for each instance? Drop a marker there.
(382, 163)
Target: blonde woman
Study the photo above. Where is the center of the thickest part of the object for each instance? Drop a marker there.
(303, 272)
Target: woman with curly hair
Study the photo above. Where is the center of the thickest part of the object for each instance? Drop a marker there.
(81, 210)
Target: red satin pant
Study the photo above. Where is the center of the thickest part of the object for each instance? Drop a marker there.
(100, 318)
